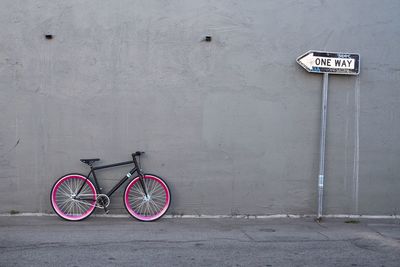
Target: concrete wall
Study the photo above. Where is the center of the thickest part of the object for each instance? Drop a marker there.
(233, 125)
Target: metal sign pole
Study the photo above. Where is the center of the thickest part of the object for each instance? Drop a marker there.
(321, 175)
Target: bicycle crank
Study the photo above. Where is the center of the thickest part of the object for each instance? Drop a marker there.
(102, 201)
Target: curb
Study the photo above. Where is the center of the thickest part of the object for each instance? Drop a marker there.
(201, 216)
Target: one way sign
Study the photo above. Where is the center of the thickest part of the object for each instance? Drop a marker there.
(330, 62)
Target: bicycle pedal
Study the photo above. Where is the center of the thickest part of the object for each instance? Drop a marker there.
(106, 211)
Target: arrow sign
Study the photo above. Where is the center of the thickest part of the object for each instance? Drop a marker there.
(330, 62)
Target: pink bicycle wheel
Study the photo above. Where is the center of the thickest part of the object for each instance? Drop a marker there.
(150, 207)
(65, 201)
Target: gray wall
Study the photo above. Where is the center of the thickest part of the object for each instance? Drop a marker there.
(233, 125)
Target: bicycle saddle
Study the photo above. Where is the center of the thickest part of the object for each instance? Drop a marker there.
(89, 161)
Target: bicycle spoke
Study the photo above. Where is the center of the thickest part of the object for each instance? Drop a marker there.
(69, 207)
(62, 190)
(153, 208)
(135, 202)
(85, 189)
(157, 206)
(67, 187)
(73, 185)
(83, 202)
(158, 190)
(140, 207)
(146, 209)
(80, 207)
(64, 204)
(155, 186)
(138, 189)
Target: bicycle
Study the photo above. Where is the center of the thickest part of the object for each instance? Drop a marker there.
(74, 196)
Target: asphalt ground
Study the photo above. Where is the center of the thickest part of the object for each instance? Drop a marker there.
(109, 241)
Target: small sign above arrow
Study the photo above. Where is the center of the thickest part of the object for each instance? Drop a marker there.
(330, 62)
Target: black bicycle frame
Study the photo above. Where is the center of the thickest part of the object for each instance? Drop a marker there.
(121, 182)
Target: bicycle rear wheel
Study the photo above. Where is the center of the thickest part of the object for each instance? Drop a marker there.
(65, 201)
(149, 208)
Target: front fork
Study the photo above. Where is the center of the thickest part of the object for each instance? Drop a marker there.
(141, 176)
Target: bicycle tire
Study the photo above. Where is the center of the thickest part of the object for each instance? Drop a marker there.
(61, 197)
(155, 206)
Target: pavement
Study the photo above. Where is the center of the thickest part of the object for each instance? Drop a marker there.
(110, 241)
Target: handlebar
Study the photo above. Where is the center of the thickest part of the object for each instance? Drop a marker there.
(137, 153)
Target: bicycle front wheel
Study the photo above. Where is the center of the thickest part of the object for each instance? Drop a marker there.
(66, 201)
(150, 207)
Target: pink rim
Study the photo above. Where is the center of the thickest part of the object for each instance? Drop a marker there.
(54, 200)
(140, 216)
